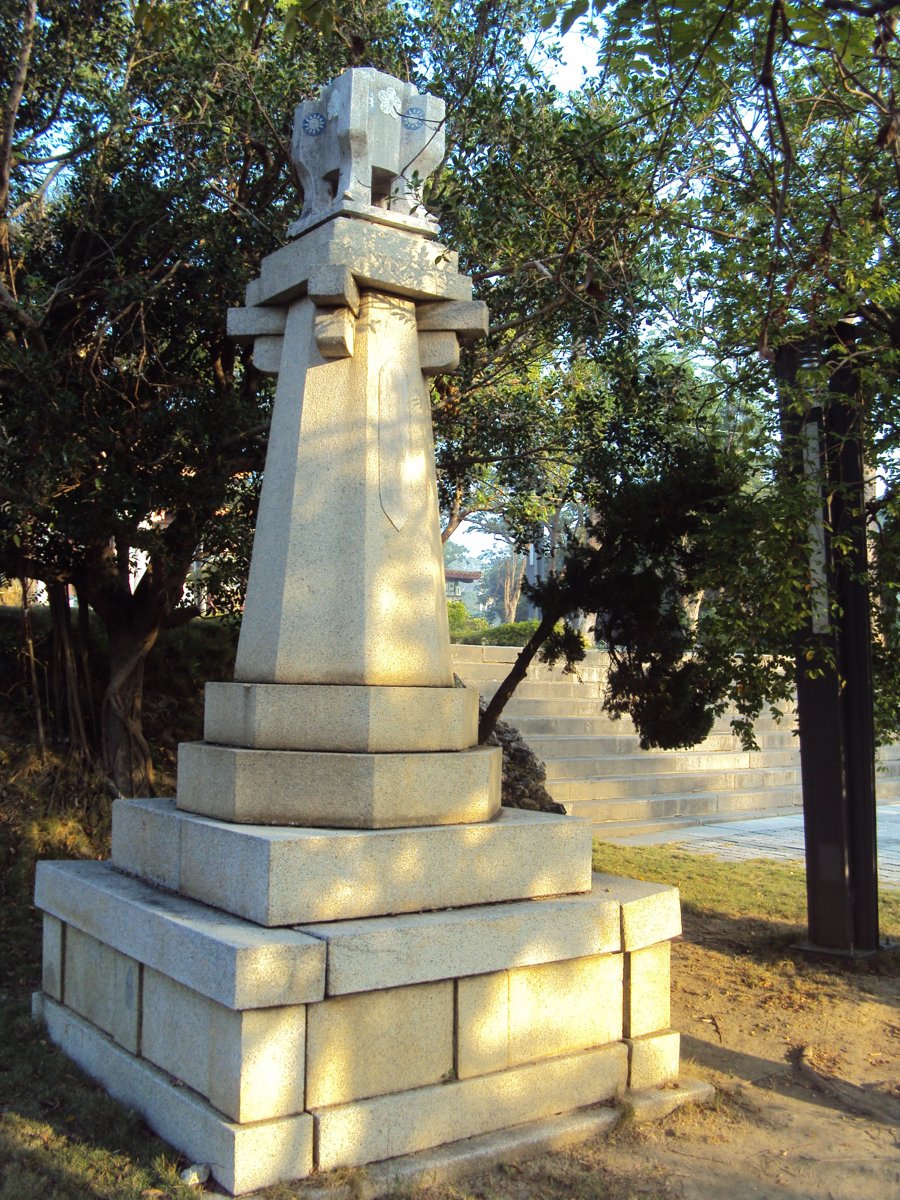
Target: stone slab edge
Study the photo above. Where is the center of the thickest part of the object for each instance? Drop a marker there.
(655, 1103)
(393, 260)
(381, 952)
(430, 1168)
(446, 1164)
(651, 912)
(240, 1157)
(231, 961)
(280, 875)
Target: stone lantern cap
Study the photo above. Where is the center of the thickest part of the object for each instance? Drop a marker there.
(365, 146)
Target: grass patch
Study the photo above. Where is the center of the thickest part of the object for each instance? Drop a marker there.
(31, 828)
(757, 892)
(63, 1138)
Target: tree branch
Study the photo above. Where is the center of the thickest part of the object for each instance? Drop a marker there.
(767, 83)
(22, 318)
(16, 92)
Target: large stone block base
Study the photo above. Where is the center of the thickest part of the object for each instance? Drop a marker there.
(385, 1036)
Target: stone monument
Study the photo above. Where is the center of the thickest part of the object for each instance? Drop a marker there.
(335, 947)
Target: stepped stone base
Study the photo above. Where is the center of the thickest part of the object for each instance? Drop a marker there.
(272, 1054)
(353, 718)
(324, 788)
(285, 876)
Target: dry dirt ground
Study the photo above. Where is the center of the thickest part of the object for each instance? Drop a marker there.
(807, 1062)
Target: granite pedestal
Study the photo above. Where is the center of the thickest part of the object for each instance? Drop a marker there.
(333, 947)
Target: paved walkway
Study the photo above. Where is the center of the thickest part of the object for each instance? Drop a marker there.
(779, 837)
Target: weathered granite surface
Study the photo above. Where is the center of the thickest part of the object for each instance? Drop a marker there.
(333, 947)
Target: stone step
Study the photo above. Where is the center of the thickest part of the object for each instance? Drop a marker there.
(651, 763)
(606, 745)
(463, 655)
(659, 801)
(614, 830)
(562, 726)
(594, 759)
(532, 727)
(520, 707)
(526, 708)
(687, 804)
(477, 672)
(547, 689)
(661, 762)
(621, 787)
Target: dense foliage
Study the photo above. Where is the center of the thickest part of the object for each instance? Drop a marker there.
(142, 175)
(768, 186)
(723, 187)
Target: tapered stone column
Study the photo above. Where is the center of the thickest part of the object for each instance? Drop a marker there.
(347, 584)
(333, 947)
(346, 588)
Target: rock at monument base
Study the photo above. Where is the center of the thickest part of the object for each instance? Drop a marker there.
(524, 775)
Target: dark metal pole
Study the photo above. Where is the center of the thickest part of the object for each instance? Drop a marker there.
(844, 433)
(834, 699)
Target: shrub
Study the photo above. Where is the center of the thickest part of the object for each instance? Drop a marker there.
(515, 634)
(463, 626)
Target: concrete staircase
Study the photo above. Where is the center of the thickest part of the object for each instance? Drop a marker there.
(596, 768)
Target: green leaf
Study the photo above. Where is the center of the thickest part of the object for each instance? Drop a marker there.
(572, 14)
(247, 22)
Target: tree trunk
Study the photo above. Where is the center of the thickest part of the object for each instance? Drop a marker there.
(554, 538)
(67, 686)
(455, 517)
(83, 657)
(126, 753)
(513, 575)
(491, 714)
(28, 646)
